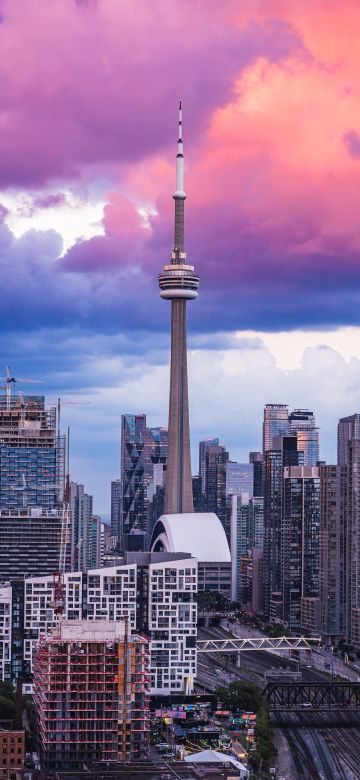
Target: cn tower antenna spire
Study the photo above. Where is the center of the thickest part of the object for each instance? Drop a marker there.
(179, 282)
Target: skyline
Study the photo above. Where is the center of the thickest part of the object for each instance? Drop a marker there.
(273, 174)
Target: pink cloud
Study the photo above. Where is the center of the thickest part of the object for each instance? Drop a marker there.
(89, 83)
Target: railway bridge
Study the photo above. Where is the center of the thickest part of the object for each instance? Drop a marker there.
(313, 697)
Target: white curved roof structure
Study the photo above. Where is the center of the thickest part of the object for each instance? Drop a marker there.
(198, 533)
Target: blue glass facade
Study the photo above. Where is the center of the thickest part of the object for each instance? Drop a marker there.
(31, 455)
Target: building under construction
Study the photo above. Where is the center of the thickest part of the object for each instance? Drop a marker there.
(91, 693)
(32, 454)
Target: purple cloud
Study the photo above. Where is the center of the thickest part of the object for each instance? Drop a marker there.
(352, 143)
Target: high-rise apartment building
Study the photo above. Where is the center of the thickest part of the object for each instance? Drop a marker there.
(29, 542)
(300, 549)
(5, 631)
(85, 530)
(302, 423)
(141, 449)
(91, 695)
(348, 429)
(284, 453)
(155, 592)
(256, 458)
(31, 454)
(332, 547)
(115, 507)
(204, 445)
(276, 423)
(350, 531)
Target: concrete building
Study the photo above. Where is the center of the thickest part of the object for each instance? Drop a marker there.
(204, 535)
(91, 695)
(179, 283)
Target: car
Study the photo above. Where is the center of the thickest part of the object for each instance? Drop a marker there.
(306, 704)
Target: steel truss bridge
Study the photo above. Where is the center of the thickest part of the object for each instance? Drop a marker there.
(258, 643)
(310, 697)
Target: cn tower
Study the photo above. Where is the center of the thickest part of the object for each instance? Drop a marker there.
(178, 283)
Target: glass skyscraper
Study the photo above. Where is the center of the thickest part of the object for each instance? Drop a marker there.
(141, 448)
(31, 455)
(302, 423)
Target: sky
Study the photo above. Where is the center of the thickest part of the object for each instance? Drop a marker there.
(271, 119)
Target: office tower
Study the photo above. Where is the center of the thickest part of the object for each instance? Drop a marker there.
(115, 507)
(91, 695)
(155, 497)
(332, 572)
(284, 453)
(204, 445)
(155, 592)
(302, 423)
(85, 532)
(240, 541)
(256, 458)
(276, 423)
(239, 478)
(29, 542)
(213, 458)
(300, 553)
(348, 429)
(31, 454)
(141, 449)
(178, 282)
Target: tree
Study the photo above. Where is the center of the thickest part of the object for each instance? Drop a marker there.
(240, 696)
(7, 708)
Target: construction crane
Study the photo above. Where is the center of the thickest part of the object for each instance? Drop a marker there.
(61, 403)
(58, 603)
(10, 380)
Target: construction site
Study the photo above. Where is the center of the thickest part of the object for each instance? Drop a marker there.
(91, 694)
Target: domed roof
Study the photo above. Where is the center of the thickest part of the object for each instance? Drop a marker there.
(198, 533)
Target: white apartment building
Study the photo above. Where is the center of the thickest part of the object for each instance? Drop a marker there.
(156, 595)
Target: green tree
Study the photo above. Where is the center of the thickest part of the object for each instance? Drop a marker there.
(240, 696)
(7, 708)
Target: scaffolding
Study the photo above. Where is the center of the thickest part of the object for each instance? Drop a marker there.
(91, 693)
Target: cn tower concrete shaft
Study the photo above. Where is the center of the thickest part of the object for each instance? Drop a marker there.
(178, 283)
(178, 493)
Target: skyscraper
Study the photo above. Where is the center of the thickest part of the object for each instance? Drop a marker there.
(276, 423)
(178, 283)
(302, 422)
(348, 428)
(300, 544)
(85, 538)
(115, 507)
(141, 449)
(31, 454)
